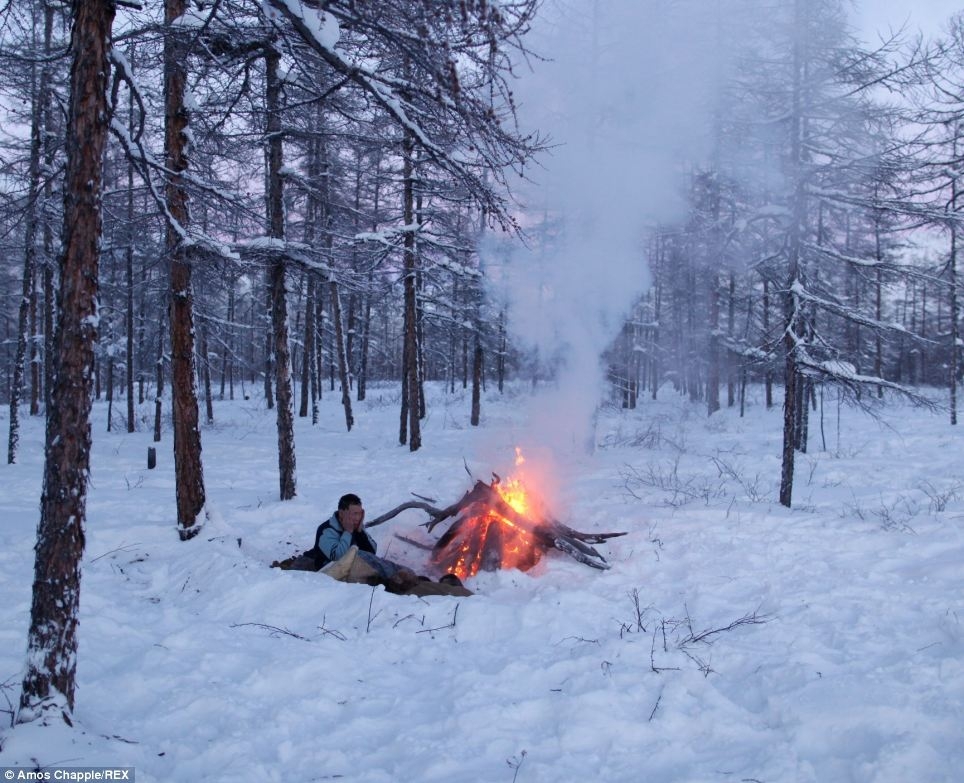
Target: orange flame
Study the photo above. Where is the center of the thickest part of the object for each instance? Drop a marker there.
(490, 538)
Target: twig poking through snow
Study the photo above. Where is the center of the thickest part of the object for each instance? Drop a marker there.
(655, 707)
(455, 614)
(273, 630)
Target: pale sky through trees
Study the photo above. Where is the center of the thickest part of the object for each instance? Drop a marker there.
(873, 16)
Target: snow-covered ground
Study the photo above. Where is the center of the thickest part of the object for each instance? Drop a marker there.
(844, 662)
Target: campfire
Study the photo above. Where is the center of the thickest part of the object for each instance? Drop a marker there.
(502, 524)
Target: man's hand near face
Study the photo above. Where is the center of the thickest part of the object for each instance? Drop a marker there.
(352, 518)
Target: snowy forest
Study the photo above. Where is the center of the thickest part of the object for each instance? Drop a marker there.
(319, 209)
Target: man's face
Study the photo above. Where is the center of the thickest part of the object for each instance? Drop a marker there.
(352, 517)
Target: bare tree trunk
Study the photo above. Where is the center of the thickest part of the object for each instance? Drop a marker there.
(465, 357)
(46, 217)
(410, 374)
(129, 278)
(276, 270)
(35, 337)
(453, 333)
(955, 316)
(419, 319)
(366, 327)
(268, 345)
(793, 316)
(129, 340)
(17, 383)
(142, 336)
(878, 313)
(159, 381)
(789, 410)
(48, 683)
(655, 368)
(477, 356)
(713, 375)
(768, 372)
(110, 347)
(804, 391)
(731, 333)
(29, 271)
(50, 297)
(500, 364)
(403, 417)
(227, 360)
(367, 312)
(319, 352)
(341, 349)
(206, 374)
(188, 469)
(307, 365)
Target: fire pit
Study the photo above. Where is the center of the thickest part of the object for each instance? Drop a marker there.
(502, 524)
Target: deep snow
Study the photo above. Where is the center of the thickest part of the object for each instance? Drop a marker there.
(199, 662)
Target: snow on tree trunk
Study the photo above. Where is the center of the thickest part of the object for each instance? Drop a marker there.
(793, 317)
(188, 469)
(276, 279)
(48, 683)
(410, 375)
(159, 381)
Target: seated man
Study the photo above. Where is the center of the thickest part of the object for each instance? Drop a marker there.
(345, 530)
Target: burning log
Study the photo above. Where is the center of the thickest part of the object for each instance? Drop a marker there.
(488, 533)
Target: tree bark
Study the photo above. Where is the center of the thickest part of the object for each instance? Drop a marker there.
(878, 306)
(713, 379)
(500, 363)
(307, 368)
(410, 376)
(768, 373)
(366, 327)
(129, 275)
(793, 316)
(367, 309)
(206, 374)
(279, 302)
(188, 469)
(477, 356)
(954, 315)
(731, 334)
(129, 312)
(159, 382)
(49, 261)
(341, 349)
(227, 360)
(49, 680)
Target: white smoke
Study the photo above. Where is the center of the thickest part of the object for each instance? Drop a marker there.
(626, 101)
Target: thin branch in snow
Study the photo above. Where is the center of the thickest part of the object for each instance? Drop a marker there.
(273, 630)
